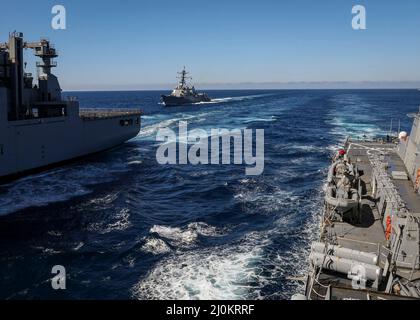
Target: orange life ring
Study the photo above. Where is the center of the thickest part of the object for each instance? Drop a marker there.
(388, 227)
(417, 183)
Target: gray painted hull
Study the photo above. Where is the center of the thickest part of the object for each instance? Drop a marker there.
(171, 101)
(28, 145)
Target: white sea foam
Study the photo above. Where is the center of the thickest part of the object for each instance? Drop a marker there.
(220, 100)
(239, 270)
(229, 99)
(120, 222)
(259, 119)
(307, 148)
(149, 131)
(135, 162)
(236, 271)
(54, 233)
(186, 237)
(254, 196)
(206, 230)
(31, 193)
(177, 236)
(79, 246)
(351, 119)
(152, 129)
(155, 246)
(216, 273)
(47, 251)
(130, 261)
(106, 201)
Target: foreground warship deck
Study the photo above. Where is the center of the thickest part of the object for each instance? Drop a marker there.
(372, 251)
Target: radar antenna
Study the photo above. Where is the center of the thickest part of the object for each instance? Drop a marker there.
(183, 76)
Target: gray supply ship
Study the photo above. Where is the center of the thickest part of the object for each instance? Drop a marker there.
(39, 129)
(183, 93)
(368, 248)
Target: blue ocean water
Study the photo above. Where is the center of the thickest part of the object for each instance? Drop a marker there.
(126, 227)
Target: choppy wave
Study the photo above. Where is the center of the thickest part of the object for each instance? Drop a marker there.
(352, 117)
(155, 246)
(265, 202)
(232, 99)
(56, 186)
(120, 222)
(185, 237)
(177, 236)
(233, 272)
(216, 273)
(154, 128)
(243, 269)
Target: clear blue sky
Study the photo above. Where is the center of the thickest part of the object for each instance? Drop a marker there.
(139, 43)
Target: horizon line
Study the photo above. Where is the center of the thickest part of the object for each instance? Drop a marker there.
(301, 85)
(242, 89)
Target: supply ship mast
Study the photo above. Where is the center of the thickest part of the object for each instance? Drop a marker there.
(38, 129)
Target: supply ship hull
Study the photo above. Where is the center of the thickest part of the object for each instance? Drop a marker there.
(29, 146)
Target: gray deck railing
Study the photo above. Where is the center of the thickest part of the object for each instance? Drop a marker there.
(402, 260)
(93, 113)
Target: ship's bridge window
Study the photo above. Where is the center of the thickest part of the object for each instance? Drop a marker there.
(49, 111)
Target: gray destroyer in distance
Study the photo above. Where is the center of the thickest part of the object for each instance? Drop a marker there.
(184, 94)
(368, 247)
(38, 128)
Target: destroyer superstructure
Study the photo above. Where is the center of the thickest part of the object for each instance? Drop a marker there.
(183, 93)
(368, 248)
(37, 127)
